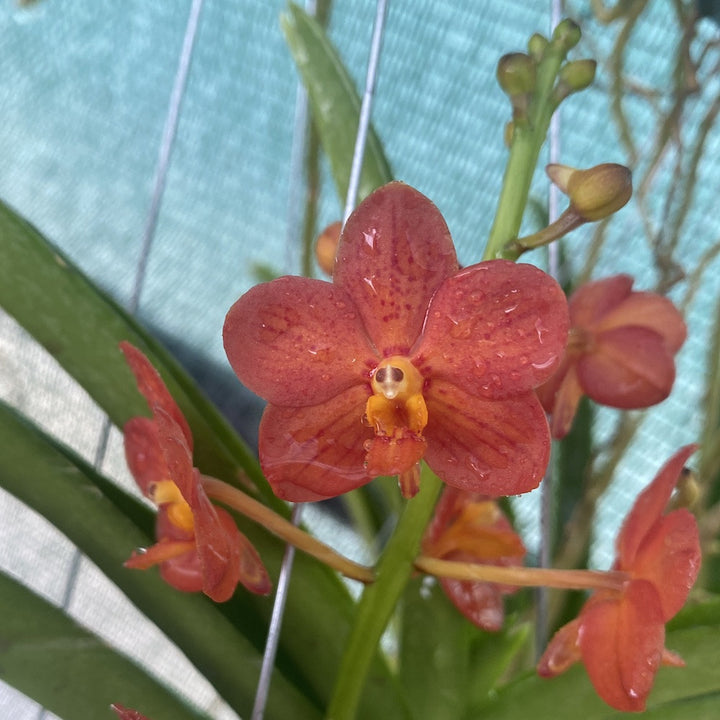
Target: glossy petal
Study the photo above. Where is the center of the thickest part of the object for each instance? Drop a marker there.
(394, 252)
(316, 452)
(651, 311)
(562, 651)
(394, 455)
(177, 453)
(495, 448)
(621, 641)
(143, 453)
(649, 507)
(669, 557)
(594, 300)
(153, 388)
(628, 367)
(499, 326)
(126, 713)
(481, 603)
(297, 341)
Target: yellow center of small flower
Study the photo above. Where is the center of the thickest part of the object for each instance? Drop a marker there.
(166, 492)
(397, 403)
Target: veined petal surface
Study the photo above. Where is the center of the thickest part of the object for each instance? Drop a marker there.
(297, 341)
(316, 452)
(494, 447)
(498, 328)
(394, 252)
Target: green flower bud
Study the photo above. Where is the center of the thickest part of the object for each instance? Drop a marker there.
(536, 46)
(516, 74)
(595, 193)
(578, 74)
(567, 34)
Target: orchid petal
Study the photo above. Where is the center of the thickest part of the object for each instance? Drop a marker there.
(316, 452)
(561, 399)
(126, 713)
(499, 447)
(297, 341)
(592, 301)
(143, 453)
(651, 311)
(394, 252)
(649, 507)
(669, 557)
(562, 651)
(153, 388)
(480, 602)
(621, 641)
(177, 453)
(628, 367)
(500, 326)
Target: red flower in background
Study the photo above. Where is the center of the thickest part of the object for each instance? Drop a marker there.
(620, 635)
(402, 357)
(620, 351)
(126, 714)
(199, 547)
(468, 527)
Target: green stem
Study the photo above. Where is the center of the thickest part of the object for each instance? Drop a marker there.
(528, 137)
(379, 600)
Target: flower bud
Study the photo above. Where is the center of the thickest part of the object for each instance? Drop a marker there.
(326, 247)
(574, 76)
(516, 74)
(595, 193)
(567, 34)
(536, 46)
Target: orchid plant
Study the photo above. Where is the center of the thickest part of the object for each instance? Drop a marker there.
(421, 394)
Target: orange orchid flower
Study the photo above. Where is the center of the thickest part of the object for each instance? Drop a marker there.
(403, 356)
(620, 634)
(126, 714)
(620, 351)
(199, 547)
(468, 527)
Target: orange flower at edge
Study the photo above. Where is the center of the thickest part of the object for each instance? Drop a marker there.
(126, 713)
(620, 351)
(199, 546)
(468, 527)
(620, 635)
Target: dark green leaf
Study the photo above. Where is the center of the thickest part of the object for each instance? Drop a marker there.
(334, 102)
(70, 671)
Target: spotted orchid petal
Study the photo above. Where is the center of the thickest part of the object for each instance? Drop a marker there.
(143, 453)
(154, 389)
(316, 452)
(498, 325)
(394, 252)
(649, 507)
(629, 367)
(499, 447)
(669, 557)
(297, 341)
(621, 642)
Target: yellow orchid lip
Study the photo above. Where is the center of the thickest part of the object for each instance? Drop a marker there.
(167, 493)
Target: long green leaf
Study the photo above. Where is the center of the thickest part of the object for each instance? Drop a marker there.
(70, 671)
(334, 102)
(81, 327)
(65, 491)
(677, 692)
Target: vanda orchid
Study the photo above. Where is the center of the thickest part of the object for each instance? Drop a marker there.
(199, 547)
(620, 634)
(404, 356)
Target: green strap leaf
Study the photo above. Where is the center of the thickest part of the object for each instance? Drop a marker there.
(82, 327)
(70, 671)
(64, 489)
(335, 103)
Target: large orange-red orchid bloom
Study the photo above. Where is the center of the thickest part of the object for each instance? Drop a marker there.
(402, 357)
(468, 527)
(620, 635)
(620, 351)
(199, 547)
